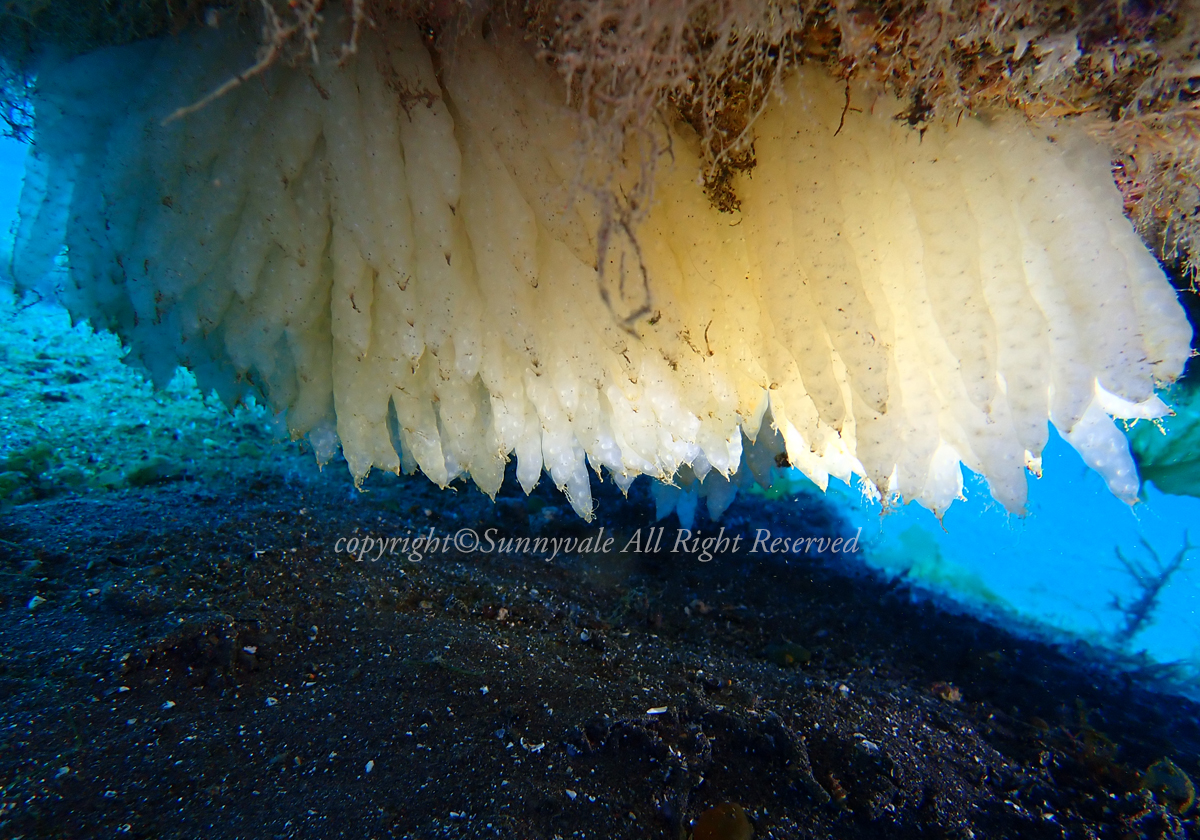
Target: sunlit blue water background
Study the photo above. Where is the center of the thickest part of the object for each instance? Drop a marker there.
(1056, 566)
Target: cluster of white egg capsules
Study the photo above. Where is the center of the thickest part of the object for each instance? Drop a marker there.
(405, 258)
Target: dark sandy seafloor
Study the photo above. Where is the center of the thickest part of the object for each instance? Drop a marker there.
(204, 664)
(185, 654)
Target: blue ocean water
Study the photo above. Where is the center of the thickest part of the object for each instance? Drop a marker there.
(12, 171)
(1057, 566)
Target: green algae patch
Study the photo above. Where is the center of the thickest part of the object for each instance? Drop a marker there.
(727, 821)
(1167, 452)
(787, 655)
(75, 418)
(1170, 785)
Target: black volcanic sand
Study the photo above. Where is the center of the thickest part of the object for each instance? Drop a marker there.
(204, 664)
